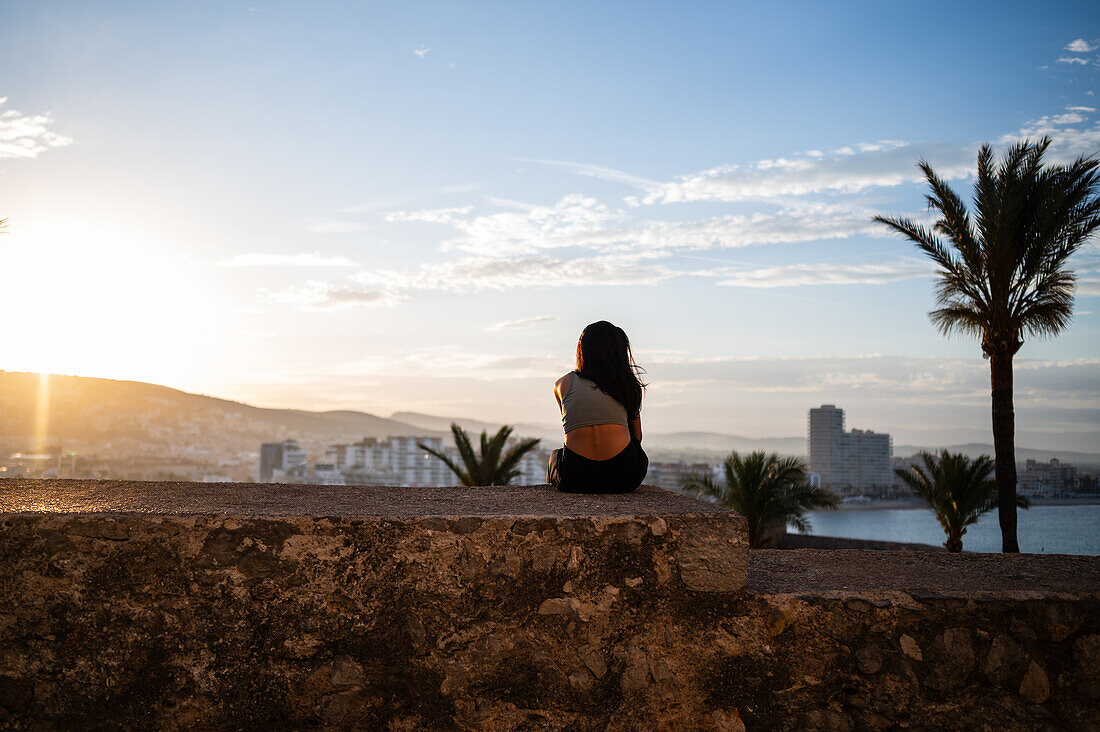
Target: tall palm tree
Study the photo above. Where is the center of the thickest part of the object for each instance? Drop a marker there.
(958, 490)
(493, 466)
(768, 490)
(1004, 273)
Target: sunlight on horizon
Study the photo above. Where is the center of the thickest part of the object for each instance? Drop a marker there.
(42, 414)
(96, 300)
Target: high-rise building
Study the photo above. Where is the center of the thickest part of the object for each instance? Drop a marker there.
(279, 458)
(857, 460)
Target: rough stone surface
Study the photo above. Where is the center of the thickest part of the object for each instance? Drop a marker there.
(910, 648)
(1005, 660)
(714, 560)
(439, 620)
(279, 499)
(1035, 687)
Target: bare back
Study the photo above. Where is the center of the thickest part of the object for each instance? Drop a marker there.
(598, 441)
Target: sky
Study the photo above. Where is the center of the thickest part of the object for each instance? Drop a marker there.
(419, 206)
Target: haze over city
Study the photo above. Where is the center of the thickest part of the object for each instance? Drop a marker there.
(389, 207)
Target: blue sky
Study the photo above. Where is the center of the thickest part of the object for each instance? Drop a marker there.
(388, 206)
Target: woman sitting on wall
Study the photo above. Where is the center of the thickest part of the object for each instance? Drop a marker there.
(600, 406)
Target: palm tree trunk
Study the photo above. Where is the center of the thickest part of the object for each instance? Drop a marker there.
(1004, 447)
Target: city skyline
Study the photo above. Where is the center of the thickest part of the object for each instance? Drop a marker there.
(418, 208)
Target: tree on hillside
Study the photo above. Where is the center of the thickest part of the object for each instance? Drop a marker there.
(493, 466)
(769, 491)
(1003, 273)
(958, 490)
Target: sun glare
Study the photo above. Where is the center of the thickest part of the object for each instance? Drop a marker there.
(42, 414)
(92, 300)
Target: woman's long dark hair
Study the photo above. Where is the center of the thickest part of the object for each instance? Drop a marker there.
(604, 357)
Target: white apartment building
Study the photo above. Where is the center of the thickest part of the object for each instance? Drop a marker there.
(401, 461)
(859, 459)
(394, 460)
(532, 467)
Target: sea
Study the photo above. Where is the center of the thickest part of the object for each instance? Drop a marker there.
(1042, 529)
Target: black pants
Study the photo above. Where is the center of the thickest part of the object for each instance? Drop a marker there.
(573, 473)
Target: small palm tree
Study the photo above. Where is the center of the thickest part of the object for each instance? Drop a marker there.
(491, 467)
(1004, 274)
(957, 489)
(768, 490)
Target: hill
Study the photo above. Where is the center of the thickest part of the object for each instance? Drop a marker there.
(1088, 460)
(103, 415)
(549, 434)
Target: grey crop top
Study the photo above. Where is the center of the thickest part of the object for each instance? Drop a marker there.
(583, 405)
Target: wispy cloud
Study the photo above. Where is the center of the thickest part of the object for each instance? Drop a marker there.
(597, 171)
(315, 259)
(474, 274)
(1081, 46)
(375, 205)
(846, 170)
(422, 51)
(1088, 284)
(854, 169)
(393, 201)
(317, 295)
(430, 216)
(324, 225)
(27, 136)
(1067, 140)
(580, 241)
(456, 362)
(460, 187)
(578, 221)
(1073, 60)
(798, 275)
(523, 323)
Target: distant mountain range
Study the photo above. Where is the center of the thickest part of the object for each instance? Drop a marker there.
(96, 414)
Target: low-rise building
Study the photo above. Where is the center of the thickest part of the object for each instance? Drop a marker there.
(1051, 477)
(670, 475)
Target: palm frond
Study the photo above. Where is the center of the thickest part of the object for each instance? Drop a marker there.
(702, 484)
(768, 490)
(507, 469)
(924, 238)
(465, 449)
(1008, 275)
(957, 489)
(462, 475)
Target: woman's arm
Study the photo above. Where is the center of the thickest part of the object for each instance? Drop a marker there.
(635, 427)
(561, 386)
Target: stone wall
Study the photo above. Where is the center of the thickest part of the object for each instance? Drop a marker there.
(622, 612)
